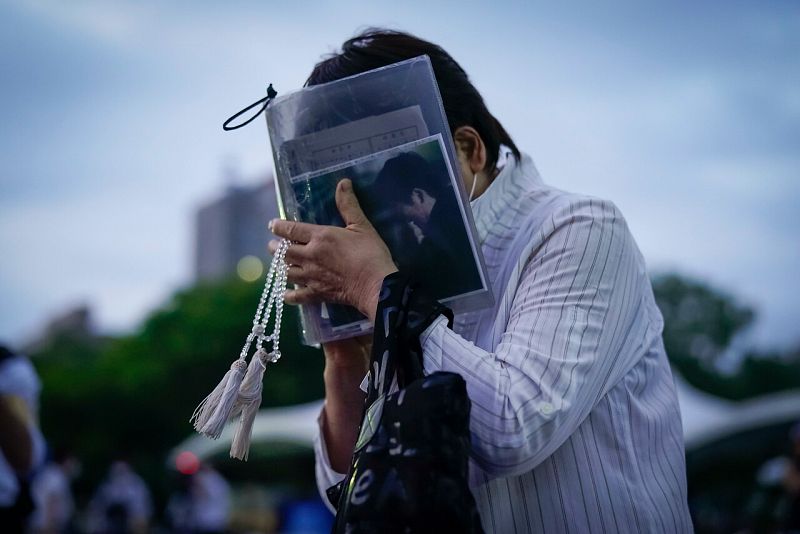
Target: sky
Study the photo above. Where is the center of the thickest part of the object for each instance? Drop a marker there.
(685, 114)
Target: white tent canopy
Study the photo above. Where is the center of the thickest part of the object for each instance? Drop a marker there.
(705, 419)
(290, 424)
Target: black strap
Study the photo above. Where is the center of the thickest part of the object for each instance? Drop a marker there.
(271, 94)
(403, 313)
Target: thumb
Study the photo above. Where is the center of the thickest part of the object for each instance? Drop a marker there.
(348, 205)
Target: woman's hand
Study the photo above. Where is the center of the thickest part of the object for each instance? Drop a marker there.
(338, 265)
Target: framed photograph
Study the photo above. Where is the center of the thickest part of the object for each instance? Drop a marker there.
(386, 130)
(410, 194)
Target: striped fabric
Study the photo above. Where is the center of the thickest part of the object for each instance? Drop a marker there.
(575, 422)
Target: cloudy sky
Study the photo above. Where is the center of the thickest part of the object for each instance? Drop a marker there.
(686, 115)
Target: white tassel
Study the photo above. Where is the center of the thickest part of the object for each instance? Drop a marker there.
(248, 404)
(206, 408)
(221, 409)
(239, 392)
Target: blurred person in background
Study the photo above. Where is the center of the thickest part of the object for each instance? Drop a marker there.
(201, 504)
(211, 500)
(179, 506)
(121, 504)
(774, 505)
(764, 506)
(52, 494)
(21, 442)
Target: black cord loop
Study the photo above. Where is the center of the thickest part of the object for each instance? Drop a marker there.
(271, 94)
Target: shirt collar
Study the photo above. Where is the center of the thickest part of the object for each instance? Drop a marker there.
(516, 178)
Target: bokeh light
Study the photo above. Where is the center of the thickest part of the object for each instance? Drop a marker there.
(187, 463)
(249, 268)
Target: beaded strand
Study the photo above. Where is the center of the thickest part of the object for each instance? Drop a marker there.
(271, 296)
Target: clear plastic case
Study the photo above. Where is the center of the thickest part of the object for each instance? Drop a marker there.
(385, 130)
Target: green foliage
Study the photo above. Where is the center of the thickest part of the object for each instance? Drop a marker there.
(134, 395)
(700, 324)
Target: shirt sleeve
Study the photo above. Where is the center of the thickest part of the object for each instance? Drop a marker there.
(566, 341)
(325, 474)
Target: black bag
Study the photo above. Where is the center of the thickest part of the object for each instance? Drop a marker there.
(409, 467)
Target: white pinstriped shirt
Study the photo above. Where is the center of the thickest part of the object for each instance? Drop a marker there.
(575, 422)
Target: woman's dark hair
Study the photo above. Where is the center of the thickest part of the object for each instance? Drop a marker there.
(463, 104)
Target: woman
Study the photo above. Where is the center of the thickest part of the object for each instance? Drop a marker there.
(575, 423)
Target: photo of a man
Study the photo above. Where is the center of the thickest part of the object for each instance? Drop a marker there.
(408, 194)
(426, 205)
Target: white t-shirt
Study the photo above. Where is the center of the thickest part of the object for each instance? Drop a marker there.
(18, 378)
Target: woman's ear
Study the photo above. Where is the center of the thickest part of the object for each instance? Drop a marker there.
(470, 148)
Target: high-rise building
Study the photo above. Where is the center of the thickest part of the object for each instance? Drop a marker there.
(231, 232)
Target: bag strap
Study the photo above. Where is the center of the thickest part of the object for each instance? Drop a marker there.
(420, 311)
(403, 314)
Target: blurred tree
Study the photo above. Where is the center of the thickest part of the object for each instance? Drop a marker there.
(700, 324)
(133, 396)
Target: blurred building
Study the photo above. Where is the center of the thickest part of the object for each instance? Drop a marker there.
(231, 232)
